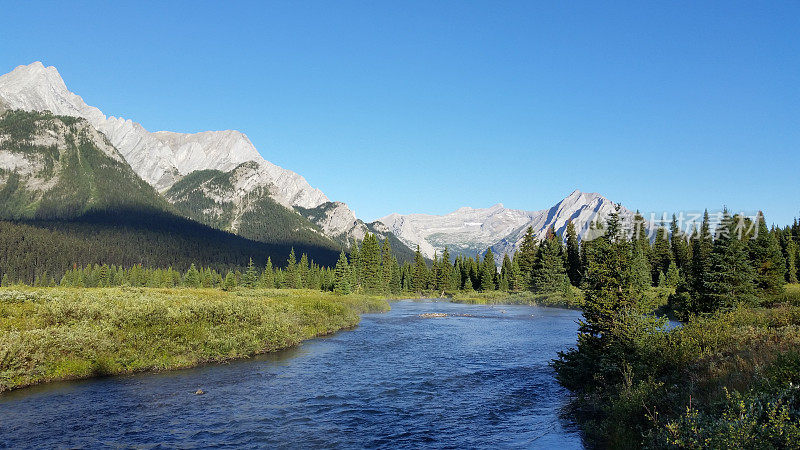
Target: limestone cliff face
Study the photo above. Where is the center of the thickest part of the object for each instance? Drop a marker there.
(163, 158)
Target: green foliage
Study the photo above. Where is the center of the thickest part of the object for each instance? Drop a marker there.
(662, 254)
(767, 260)
(488, 272)
(74, 178)
(342, 276)
(729, 280)
(419, 278)
(574, 265)
(57, 333)
(548, 274)
(260, 218)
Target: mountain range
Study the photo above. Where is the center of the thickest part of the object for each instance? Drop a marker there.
(70, 158)
(468, 231)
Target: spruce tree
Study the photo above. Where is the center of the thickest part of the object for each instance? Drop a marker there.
(681, 252)
(444, 273)
(371, 264)
(702, 243)
(673, 276)
(767, 260)
(355, 267)
(608, 294)
(396, 284)
(488, 272)
(506, 273)
(267, 279)
(640, 235)
(574, 267)
(548, 272)
(455, 275)
(420, 275)
(230, 281)
(291, 273)
(729, 280)
(303, 277)
(662, 254)
(527, 254)
(250, 276)
(341, 277)
(104, 276)
(641, 277)
(192, 278)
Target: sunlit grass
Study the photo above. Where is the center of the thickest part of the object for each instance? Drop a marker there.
(64, 333)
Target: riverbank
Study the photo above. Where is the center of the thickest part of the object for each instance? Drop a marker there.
(655, 298)
(726, 380)
(49, 334)
(571, 300)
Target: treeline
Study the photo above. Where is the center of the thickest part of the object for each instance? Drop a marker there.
(704, 384)
(34, 251)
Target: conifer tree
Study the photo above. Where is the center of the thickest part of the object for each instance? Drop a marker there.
(104, 278)
(729, 279)
(673, 276)
(767, 259)
(420, 276)
(681, 252)
(230, 281)
(267, 278)
(433, 276)
(702, 243)
(444, 272)
(506, 274)
(192, 278)
(549, 273)
(371, 264)
(574, 269)
(355, 267)
(455, 275)
(303, 277)
(662, 254)
(608, 293)
(640, 236)
(515, 282)
(291, 273)
(641, 277)
(250, 276)
(341, 277)
(488, 272)
(527, 254)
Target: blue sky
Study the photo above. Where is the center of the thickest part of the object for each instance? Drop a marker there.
(430, 106)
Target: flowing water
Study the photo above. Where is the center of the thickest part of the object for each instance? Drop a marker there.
(477, 377)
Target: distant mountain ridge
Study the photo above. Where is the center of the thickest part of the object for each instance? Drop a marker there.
(219, 179)
(468, 231)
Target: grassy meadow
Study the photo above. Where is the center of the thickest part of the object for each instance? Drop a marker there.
(655, 298)
(49, 334)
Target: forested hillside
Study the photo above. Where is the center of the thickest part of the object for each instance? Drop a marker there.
(58, 167)
(210, 197)
(39, 249)
(68, 197)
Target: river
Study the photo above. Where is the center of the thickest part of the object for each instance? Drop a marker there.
(478, 377)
